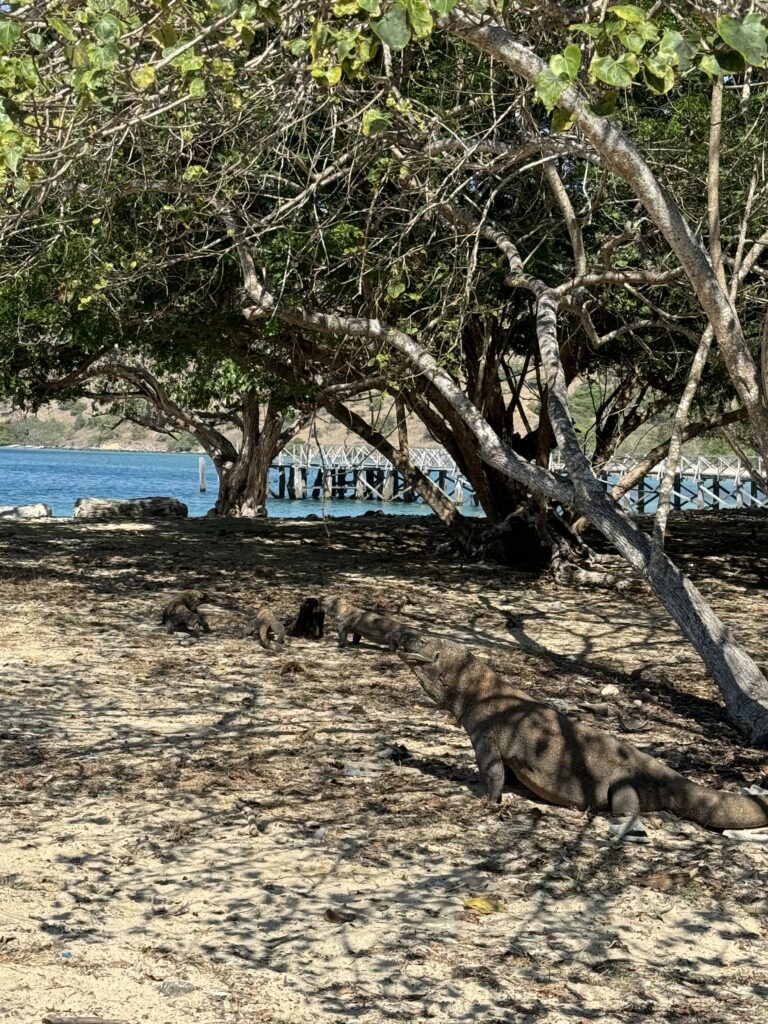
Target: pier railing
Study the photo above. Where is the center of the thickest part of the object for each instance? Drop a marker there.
(360, 471)
(719, 481)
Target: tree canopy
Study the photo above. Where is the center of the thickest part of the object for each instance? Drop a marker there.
(475, 206)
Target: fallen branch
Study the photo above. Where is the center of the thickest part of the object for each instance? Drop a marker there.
(55, 1018)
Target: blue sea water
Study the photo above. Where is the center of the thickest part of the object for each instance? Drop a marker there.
(59, 476)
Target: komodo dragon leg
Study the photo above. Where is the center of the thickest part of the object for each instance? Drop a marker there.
(491, 765)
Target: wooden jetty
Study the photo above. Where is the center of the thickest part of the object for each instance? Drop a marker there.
(717, 482)
(348, 472)
(336, 472)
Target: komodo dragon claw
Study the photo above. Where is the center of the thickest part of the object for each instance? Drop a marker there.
(747, 835)
(629, 831)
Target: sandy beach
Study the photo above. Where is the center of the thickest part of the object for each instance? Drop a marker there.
(209, 832)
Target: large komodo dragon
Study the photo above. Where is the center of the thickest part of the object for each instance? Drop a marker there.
(359, 622)
(560, 759)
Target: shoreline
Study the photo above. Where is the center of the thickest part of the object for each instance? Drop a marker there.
(102, 448)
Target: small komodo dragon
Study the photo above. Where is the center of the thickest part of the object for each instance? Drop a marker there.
(360, 622)
(183, 612)
(267, 623)
(557, 758)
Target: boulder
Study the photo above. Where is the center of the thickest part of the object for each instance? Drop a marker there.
(37, 511)
(129, 508)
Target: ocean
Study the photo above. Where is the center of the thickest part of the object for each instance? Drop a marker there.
(58, 476)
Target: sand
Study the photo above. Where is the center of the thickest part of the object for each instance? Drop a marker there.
(207, 832)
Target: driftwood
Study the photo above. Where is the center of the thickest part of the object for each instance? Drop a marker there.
(54, 1018)
(37, 511)
(129, 508)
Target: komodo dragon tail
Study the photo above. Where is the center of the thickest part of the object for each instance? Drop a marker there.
(718, 809)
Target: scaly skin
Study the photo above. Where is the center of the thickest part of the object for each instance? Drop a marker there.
(266, 623)
(359, 622)
(183, 612)
(557, 758)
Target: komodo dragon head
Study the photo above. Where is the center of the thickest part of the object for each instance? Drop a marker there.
(418, 649)
(436, 663)
(331, 605)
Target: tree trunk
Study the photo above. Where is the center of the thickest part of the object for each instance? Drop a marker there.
(741, 682)
(244, 483)
(439, 502)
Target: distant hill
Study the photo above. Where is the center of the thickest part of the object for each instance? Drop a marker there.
(74, 424)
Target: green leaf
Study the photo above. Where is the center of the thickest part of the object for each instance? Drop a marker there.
(590, 30)
(299, 47)
(346, 44)
(675, 49)
(326, 75)
(442, 7)
(344, 7)
(143, 77)
(619, 73)
(566, 64)
(374, 122)
(197, 87)
(658, 77)
(103, 57)
(633, 41)
(747, 36)
(370, 6)
(393, 29)
(550, 87)
(572, 55)
(420, 18)
(722, 62)
(63, 29)
(194, 171)
(628, 12)
(11, 157)
(108, 29)
(395, 289)
(10, 30)
(562, 120)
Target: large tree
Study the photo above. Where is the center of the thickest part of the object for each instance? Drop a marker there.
(400, 200)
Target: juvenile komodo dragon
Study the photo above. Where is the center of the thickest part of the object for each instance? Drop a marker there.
(183, 612)
(557, 758)
(267, 624)
(359, 622)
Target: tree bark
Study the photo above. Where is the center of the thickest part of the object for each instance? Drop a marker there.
(743, 685)
(244, 483)
(439, 502)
